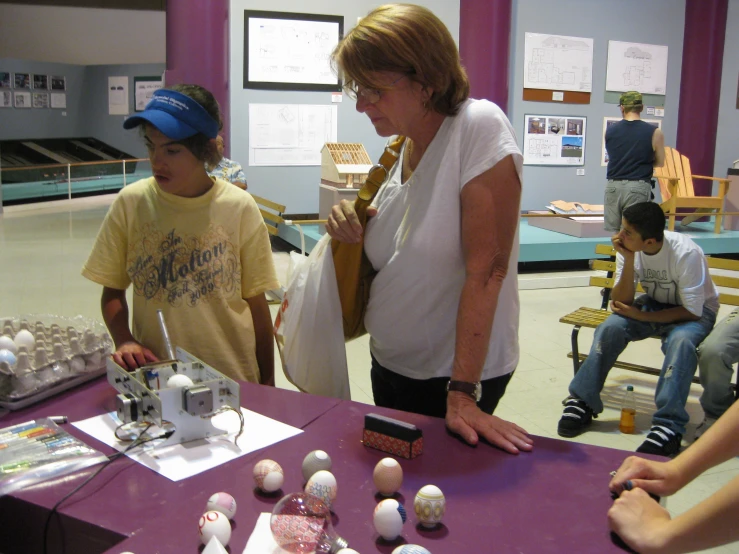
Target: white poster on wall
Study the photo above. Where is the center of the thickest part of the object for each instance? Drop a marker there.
(607, 122)
(554, 140)
(58, 100)
(558, 63)
(290, 134)
(144, 90)
(634, 66)
(118, 95)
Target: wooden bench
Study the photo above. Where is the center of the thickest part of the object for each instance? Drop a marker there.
(592, 317)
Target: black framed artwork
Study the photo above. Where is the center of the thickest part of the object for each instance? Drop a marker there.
(58, 82)
(40, 82)
(6, 79)
(290, 51)
(22, 81)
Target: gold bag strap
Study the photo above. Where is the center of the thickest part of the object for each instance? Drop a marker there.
(379, 172)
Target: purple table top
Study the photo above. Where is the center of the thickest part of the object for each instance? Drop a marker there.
(553, 499)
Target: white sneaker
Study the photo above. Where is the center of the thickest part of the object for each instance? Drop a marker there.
(704, 426)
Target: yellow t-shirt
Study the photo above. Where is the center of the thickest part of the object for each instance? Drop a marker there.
(197, 259)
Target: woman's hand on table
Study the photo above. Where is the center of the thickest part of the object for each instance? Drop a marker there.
(343, 223)
(465, 419)
(132, 355)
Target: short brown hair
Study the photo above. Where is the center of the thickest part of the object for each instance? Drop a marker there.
(408, 39)
(201, 146)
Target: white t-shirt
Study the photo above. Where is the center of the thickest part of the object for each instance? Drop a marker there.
(415, 244)
(676, 275)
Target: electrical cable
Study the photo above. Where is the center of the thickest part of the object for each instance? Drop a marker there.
(136, 442)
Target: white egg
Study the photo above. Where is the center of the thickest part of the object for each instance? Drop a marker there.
(268, 475)
(411, 549)
(222, 502)
(347, 551)
(8, 356)
(389, 518)
(315, 461)
(6, 343)
(214, 524)
(429, 505)
(178, 380)
(322, 484)
(25, 338)
(388, 476)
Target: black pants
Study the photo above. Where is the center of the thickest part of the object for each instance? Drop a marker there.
(427, 396)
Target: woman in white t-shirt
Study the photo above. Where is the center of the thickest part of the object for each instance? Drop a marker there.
(443, 309)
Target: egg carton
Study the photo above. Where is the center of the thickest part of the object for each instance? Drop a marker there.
(41, 355)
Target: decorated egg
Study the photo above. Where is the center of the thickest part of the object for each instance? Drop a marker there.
(323, 485)
(6, 343)
(25, 338)
(389, 518)
(8, 356)
(315, 461)
(222, 502)
(178, 380)
(214, 524)
(388, 476)
(268, 475)
(429, 505)
(411, 549)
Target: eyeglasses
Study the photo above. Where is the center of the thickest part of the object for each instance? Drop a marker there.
(370, 95)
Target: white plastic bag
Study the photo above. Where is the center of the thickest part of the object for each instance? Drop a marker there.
(308, 326)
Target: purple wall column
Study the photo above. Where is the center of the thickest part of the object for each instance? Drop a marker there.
(197, 49)
(484, 44)
(700, 85)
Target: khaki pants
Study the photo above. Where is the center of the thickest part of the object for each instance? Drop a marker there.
(619, 196)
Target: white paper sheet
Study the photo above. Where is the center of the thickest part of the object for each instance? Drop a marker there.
(185, 460)
(261, 540)
(557, 62)
(635, 66)
(290, 134)
(118, 95)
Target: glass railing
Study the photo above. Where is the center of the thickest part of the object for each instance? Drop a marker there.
(53, 182)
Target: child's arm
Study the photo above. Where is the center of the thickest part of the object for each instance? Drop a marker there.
(264, 337)
(129, 353)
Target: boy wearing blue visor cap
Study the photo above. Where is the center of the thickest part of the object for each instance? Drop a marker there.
(191, 245)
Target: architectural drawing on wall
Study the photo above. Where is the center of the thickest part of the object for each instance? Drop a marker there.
(290, 51)
(607, 122)
(556, 62)
(633, 66)
(554, 140)
(290, 134)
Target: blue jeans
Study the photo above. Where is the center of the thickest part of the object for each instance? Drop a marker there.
(679, 342)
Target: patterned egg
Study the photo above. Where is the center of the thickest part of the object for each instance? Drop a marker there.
(388, 476)
(411, 549)
(322, 484)
(214, 524)
(389, 518)
(315, 461)
(429, 505)
(222, 502)
(268, 475)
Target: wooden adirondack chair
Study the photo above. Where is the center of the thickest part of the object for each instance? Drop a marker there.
(676, 185)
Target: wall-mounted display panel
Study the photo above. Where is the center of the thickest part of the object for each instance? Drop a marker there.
(554, 140)
(635, 66)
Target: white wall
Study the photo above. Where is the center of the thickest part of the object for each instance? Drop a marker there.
(81, 36)
(297, 187)
(727, 135)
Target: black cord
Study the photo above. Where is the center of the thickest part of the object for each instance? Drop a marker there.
(137, 442)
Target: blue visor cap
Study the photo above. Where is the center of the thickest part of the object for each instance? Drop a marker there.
(176, 115)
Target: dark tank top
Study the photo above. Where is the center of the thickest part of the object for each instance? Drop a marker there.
(630, 152)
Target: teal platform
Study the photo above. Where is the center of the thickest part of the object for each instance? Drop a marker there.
(541, 245)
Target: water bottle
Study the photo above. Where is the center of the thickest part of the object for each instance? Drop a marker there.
(628, 411)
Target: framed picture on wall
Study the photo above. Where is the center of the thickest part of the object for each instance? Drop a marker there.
(554, 140)
(144, 88)
(40, 82)
(58, 83)
(22, 80)
(6, 99)
(22, 99)
(58, 100)
(6, 79)
(40, 99)
(290, 51)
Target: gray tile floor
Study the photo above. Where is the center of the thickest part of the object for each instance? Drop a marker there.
(43, 247)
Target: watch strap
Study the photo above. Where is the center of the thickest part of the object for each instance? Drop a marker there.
(465, 387)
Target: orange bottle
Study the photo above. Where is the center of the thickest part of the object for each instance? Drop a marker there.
(628, 412)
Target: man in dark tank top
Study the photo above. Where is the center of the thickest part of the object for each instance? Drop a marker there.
(634, 149)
